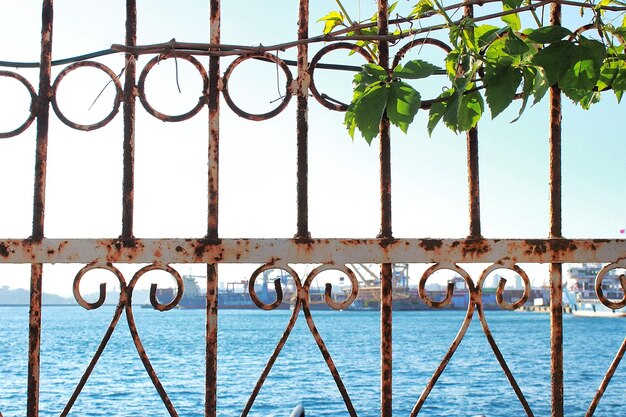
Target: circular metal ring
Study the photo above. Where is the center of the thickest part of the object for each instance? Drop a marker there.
(33, 98)
(613, 305)
(116, 102)
(165, 117)
(103, 287)
(499, 299)
(418, 42)
(277, 287)
(329, 48)
(450, 290)
(263, 57)
(335, 305)
(153, 287)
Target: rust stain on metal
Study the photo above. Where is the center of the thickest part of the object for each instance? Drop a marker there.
(200, 248)
(431, 244)
(536, 247)
(473, 182)
(386, 242)
(4, 250)
(562, 246)
(475, 247)
(128, 147)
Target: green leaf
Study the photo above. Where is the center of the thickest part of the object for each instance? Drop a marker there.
(414, 69)
(364, 78)
(438, 110)
(540, 85)
(452, 62)
(529, 77)
(485, 34)
(608, 73)
(549, 34)
(501, 83)
(583, 69)
(376, 71)
(451, 115)
(470, 111)
(589, 98)
(468, 35)
(421, 8)
(332, 20)
(554, 59)
(619, 83)
(513, 19)
(368, 110)
(513, 45)
(349, 120)
(403, 103)
(508, 50)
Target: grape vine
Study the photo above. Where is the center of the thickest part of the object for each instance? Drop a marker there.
(496, 64)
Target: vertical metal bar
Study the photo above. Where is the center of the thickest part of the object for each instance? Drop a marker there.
(386, 368)
(39, 198)
(210, 402)
(386, 279)
(128, 185)
(43, 111)
(214, 125)
(302, 127)
(473, 183)
(210, 399)
(34, 340)
(556, 270)
(472, 168)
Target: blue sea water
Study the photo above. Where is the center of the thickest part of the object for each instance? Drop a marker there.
(472, 384)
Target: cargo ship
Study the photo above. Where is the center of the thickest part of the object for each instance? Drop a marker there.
(235, 296)
(581, 292)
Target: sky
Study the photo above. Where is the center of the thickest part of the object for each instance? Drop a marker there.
(257, 159)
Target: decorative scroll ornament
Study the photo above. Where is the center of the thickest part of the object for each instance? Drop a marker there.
(614, 305)
(475, 303)
(302, 300)
(116, 102)
(32, 110)
(125, 303)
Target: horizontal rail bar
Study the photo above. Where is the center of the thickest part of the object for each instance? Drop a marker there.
(337, 251)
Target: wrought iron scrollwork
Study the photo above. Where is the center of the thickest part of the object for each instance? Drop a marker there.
(277, 286)
(622, 349)
(135, 333)
(614, 305)
(263, 57)
(180, 117)
(501, 284)
(32, 110)
(288, 329)
(302, 301)
(440, 304)
(323, 99)
(354, 287)
(125, 303)
(116, 102)
(475, 303)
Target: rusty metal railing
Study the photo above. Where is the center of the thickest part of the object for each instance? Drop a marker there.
(335, 254)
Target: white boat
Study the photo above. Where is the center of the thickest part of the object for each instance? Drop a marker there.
(581, 292)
